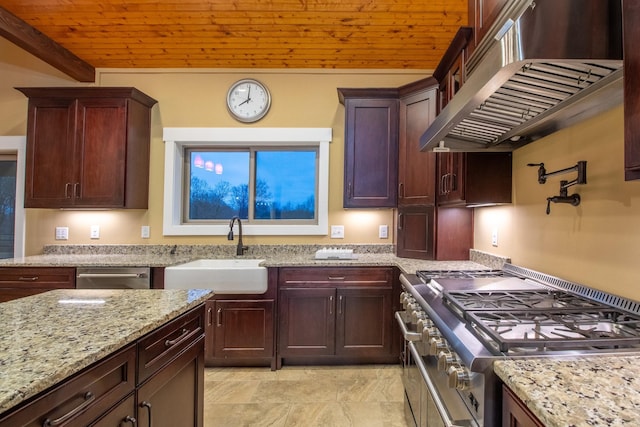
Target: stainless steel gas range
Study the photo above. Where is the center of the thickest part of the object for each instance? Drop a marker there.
(457, 323)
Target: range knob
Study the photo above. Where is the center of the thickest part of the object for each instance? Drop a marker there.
(424, 322)
(406, 299)
(459, 377)
(430, 333)
(417, 315)
(436, 345)
(446, 359)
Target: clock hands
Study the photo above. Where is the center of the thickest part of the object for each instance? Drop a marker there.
(248, 96)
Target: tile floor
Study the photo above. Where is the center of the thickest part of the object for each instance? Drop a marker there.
(353, 396)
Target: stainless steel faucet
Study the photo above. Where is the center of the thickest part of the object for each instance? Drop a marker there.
(241, 248)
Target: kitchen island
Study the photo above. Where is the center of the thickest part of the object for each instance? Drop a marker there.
(582, 391)
(48, 338)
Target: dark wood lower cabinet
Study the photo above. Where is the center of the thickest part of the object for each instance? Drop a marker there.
(240, 329)
(18, 282)
(515, 413)
(364, 322)
(174, 395)
(120, 416)
(307, 322)
(337, 315)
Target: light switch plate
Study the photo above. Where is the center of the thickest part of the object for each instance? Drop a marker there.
(62, 233)
(144, 232)
(383, 232)
(95, 232)
(337, 231)
(494, 237)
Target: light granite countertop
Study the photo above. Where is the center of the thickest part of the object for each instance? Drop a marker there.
(274, 256)
(45, 338)
(583, 391)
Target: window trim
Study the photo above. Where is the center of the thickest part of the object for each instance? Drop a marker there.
(177, 138)
(16, 145)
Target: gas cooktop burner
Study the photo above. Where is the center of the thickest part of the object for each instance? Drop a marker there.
(556, 329)
(427, 275)
(543, 299)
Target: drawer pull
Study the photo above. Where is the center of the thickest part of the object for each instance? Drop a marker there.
(336, 277)
(88, 399)
(147, 405)
(129, 419)
(183, 334)
(28, 279)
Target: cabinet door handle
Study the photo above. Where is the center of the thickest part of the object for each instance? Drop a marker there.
(349, 190)
(340, 304)
(28, 279)
(66, 190)
(219, 317)
(209, 317)
(454, 182)
(331, 305)
(400, 221)
(88, 400)
(129, 419)
(147, 405)
(401, 189)
(76, 190)
(183, 334)
(442, 180)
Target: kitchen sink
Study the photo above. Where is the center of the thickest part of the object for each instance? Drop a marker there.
(223, 276)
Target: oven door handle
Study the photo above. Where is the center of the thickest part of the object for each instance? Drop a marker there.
(440, 406)
(407, 334)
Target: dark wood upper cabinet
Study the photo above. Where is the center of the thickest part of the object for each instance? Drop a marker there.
(371, 147)
(474, 178)
(416, 169)
(87, 148)
(450, 72)
(631, 33)
(482, 15)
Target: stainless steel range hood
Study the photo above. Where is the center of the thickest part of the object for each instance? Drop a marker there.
(544, 65)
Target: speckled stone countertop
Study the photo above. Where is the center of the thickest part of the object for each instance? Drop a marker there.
(274, 256)
(45, 338)
(584, 391)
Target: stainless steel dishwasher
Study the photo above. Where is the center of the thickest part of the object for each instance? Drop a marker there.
(113, 278)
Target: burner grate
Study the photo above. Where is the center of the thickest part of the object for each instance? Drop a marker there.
(556, 328)
(428, 275)
(543, 299)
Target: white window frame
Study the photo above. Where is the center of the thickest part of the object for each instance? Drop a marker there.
(16, 145)
(177, 138)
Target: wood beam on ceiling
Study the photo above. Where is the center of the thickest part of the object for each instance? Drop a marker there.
(33, 41)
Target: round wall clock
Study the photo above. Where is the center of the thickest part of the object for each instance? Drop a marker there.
(248, 100)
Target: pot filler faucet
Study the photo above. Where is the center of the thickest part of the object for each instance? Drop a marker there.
(241, 248)
(563, 197)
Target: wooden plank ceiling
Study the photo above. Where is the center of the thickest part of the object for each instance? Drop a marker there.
(331, 34)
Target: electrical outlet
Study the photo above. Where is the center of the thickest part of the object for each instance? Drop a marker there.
(383, 232)
(494, 237)
(62, 233)
(337, 231)
(95, 232)
(144, 232)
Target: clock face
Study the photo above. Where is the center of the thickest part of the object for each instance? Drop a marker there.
(248, 100)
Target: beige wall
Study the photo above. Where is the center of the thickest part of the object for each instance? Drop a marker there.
(596, 243)
(196, 98)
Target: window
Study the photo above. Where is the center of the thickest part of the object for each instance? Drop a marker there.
(253, 184)
(275, 179)
(12, 225)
